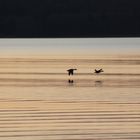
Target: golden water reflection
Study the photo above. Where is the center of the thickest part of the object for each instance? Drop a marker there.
(39, 101)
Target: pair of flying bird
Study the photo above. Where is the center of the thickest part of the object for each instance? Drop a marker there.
(71, 71)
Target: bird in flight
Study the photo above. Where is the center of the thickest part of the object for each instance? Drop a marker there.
(71, 71)
(98, 71)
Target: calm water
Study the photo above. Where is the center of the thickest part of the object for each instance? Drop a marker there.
(37, 101)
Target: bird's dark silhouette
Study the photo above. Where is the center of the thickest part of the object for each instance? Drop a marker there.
(98, 71)
(71, 71)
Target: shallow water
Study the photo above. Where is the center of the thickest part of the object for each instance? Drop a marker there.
(39, 101)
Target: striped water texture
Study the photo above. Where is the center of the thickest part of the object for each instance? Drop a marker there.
(37, 101)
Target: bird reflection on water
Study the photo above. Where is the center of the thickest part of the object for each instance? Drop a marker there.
(71, 82)
(98, 83)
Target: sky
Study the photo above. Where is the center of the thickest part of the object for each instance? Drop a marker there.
(68, 47)
(71, 18)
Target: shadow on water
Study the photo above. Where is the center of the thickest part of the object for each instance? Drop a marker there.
(98, 83)
(71, 82)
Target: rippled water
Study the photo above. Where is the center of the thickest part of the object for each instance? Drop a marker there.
(39, 101)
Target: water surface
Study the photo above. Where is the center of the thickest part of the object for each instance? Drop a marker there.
(39, 101)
